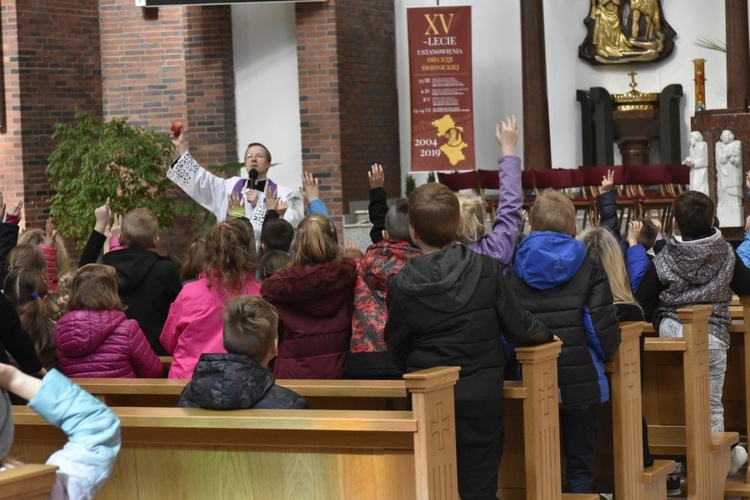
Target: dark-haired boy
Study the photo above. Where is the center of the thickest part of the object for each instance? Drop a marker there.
(276, 234)
(697, 267)
(240, 379)
(368, 355)
(448, 307)
(147, 282)
(562, 286)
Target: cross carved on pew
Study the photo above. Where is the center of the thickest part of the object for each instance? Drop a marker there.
(700, 346)
(546, 393)
(439, 424)
(631, 364)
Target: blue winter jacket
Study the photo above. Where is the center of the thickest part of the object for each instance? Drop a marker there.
(568, 291)
(744, 250)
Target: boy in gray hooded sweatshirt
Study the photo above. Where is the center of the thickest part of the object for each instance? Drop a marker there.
(697, 267)
(448, 307)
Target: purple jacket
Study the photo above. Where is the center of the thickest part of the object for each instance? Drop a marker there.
(500, 243)
(104, 344)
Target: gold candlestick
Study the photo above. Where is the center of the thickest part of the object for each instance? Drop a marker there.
(700, 84)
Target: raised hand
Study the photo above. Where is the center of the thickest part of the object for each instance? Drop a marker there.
(310, 189)
(272, 200)
(235, 204)
(16, 210)
(634, 231)
(506, 134)
(102, 215)
(608, 181)
(282, 207)
(50, 233)
(376, 176)
(116, 229)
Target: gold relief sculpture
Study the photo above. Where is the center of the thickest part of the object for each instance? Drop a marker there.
(610, 21)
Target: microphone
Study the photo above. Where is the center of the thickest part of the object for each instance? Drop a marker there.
(252, 177)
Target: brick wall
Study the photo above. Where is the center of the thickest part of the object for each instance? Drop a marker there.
(53, 66)
(11, 157)
(369, 100)
(175, 64)
(348, 101)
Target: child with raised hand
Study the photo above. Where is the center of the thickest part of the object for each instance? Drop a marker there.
(26, 289)
(93, 430)
(147, 282)
(193, 325)
(314, 298)
(98, 237)
(95, 338)
(368, 354)
(240, 379)
(9, 220)
(500, 242)
(57, 260)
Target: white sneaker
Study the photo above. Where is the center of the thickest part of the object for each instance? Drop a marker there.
(739, 458)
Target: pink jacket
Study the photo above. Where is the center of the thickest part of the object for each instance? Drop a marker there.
(194, 324)
(104, 344)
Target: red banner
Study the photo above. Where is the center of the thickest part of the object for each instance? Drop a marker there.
(442, 110)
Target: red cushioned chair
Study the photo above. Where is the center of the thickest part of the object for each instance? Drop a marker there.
(651, 184)
(565, 181)
(459, 180)
(489, 179)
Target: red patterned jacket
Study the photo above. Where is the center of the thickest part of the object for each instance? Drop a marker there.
(368, 355)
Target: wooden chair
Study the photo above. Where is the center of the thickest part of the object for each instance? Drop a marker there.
(652, 186)
(529, 189)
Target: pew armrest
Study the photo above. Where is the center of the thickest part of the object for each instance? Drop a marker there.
(657, 473)
(652, 344)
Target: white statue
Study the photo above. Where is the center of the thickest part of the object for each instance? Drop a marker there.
(729, 180)
(698, 161)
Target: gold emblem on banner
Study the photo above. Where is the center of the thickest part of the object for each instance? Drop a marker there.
(453, 135)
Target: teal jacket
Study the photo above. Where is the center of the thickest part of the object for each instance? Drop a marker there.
(93, 430)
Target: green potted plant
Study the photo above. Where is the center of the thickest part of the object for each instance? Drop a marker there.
(411, 184)
(94, 160)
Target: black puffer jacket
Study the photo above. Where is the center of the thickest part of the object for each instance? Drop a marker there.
(449, 308)
(567, 290)
(148, 284)
(236, 382)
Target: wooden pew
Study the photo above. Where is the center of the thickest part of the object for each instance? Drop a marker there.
(707, 453)
(632, 480)
(736, 383)
(167, 362)
(27, 482)
(536, 394)
(195, 453)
